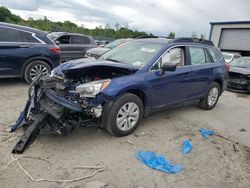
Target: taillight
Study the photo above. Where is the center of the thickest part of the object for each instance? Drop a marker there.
(55, 50)
(228, 67)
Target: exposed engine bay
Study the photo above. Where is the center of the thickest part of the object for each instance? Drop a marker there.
(65, 100)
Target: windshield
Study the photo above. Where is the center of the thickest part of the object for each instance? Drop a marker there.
(133, 53)
(241, 62)
(227, 56)
(52, 36)
(116, 43)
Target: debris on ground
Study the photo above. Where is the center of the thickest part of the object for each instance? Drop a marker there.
(97, 169)
(242, 130)
(187, 146)
(235, 148)
(158, 162)
(228, 139)
(205, 133)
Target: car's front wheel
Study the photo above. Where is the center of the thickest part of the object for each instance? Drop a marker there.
(34, 69)
(125, 115)
(211, 98)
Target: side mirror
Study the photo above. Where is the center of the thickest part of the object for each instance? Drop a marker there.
(168, 67)
(57, 42)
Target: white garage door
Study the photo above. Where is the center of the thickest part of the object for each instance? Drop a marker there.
(235, 39)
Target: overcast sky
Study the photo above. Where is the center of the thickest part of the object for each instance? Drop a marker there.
(156, 16)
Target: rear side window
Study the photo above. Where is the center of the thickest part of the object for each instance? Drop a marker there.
(197, 55)
(13, 35)
(65, 39)
(75, 39)
(214, 56)
(29, 38)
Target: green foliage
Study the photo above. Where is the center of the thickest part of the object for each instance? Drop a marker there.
(171, 35)
(47, 25)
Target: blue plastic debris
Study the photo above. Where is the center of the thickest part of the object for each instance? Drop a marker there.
(206, 132)
(158, 162)
(187, 146)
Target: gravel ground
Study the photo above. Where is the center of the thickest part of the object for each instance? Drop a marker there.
(213, 162)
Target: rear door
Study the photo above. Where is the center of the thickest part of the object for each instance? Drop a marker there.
(201, 71)
(14, 49)
(65, 47)
(79, 45)
(172, 86)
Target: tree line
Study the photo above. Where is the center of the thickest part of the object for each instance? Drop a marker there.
(45, 24)
(118, 31)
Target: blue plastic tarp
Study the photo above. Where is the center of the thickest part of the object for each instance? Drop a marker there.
(158, 162)
(206, 132)
(187, 146)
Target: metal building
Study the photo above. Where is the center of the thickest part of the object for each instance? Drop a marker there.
(231, 36)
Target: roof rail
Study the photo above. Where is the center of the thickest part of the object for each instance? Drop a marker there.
(195, 40)
(153, 36)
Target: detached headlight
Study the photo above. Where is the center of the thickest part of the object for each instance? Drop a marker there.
(91, 89)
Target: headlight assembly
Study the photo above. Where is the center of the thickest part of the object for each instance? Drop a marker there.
(91, 89)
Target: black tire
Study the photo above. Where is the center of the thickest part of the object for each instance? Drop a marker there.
(204, 104)
(111, 125)
(27, 72)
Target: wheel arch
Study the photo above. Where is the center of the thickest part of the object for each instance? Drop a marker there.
(41, 58)
(220, 82)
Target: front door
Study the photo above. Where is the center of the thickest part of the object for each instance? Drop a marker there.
(171, 86)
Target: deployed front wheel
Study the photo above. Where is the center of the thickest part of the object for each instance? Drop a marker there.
(125, 115)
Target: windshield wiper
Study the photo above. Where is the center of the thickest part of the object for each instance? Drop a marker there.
(114, 60)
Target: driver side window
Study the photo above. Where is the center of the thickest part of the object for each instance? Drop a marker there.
(175, 56)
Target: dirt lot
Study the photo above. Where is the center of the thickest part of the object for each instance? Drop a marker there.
(212, 163)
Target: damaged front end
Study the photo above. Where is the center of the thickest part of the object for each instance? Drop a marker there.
(238, 82)
(70, 97)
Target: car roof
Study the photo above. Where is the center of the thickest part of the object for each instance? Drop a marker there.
(68, 33)
(24, 28)
(154, 40)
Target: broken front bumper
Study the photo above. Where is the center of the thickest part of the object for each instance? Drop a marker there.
(46, 110)
(238, 85)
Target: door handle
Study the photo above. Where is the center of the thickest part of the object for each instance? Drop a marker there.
(24, 46)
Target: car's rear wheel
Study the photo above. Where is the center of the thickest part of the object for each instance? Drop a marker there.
(212, 97)
(125, 115)
(36, 68)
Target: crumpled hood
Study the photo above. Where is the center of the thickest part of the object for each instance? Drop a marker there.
(97, 51)
(85, 65)
(240, 70)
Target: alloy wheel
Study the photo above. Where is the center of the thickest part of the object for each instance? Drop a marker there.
(213, 96)
(37, 70)
(127, 116)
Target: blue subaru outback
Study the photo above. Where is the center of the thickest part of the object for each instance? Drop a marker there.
(126, 84)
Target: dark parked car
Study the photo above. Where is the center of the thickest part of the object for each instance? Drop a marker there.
(72, 45)
(123, 86)
(26, 52)
(239, 75)
(99, 51)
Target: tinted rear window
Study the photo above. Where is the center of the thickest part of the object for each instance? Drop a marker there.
(79, 39)
(13, 35)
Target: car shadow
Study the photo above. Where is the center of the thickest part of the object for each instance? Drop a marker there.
(12, 82)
